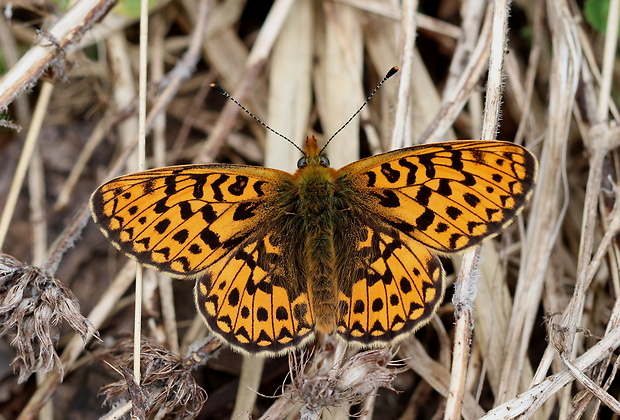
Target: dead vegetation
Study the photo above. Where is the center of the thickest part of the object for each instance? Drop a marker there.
(531, 330)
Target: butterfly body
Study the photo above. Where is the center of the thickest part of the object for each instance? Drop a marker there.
(321, 206)
(278, 256)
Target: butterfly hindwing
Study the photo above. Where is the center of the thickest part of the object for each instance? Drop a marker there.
(448, 196)
(396, 286)
(253, 301)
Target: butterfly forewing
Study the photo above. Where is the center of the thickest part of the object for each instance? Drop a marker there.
(448, 196)
(182, 219)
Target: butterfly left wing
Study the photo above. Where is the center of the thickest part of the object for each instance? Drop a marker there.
(448, 196)
(393, 284)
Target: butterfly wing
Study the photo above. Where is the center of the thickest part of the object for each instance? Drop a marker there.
(182, 219)
(224, 224)
(250, 300)
(448, 196)
(393, 289)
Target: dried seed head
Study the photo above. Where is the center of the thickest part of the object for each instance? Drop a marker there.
(32, 304)
(341, 385)
(167, 382)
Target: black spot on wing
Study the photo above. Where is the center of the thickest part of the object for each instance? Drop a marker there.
(160, 206)
(453, 238)
(199, 183)
(469, 180)
(181, 236)
(281, 313)
(441, 227)
(425, 219)
(238, 187)
(471, 225)
(444, 187)
(245, 211)
(471, 199)
(210, 238)
(262, 315)
(457, 160)
(453, 212)
(184, 263)
(388, 199)
(258, 188)
(477, 155)
(427, 162)
(216, 186)
(162, 226)
(411, 170)
(490, 213)
(372, 179)
(423, 195)
(208, 214)
(195, 249)
(185, 210)
(171, 185)
(390, 174)
(148, 187)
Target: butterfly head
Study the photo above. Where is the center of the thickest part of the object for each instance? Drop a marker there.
(312, 155)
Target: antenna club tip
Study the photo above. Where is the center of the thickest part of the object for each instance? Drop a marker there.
(392, 72)
(218, 89)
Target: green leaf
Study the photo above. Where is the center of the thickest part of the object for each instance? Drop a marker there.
(596, 12)
(131, 8)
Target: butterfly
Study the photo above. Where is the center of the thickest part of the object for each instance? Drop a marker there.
(354, 251)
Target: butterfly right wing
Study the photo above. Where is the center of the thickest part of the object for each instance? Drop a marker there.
(447, 197)
(222, 224)
(182, 219)
(253, 298)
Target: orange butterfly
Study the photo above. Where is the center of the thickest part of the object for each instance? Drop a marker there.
(278, 256)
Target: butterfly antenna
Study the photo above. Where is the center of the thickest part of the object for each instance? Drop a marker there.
(389, 74)
(222, 92)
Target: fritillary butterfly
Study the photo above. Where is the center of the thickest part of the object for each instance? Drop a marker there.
(279, 256)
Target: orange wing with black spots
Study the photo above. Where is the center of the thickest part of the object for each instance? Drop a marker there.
(222, 223)
(252, 300)
(395, 287)
(277, 256)
(182, 219)
(446, 197)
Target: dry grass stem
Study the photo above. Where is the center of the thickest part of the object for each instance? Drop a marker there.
(64, 33)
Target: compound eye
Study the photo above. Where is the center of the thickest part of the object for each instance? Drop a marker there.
(303, 161)
(324, 161)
